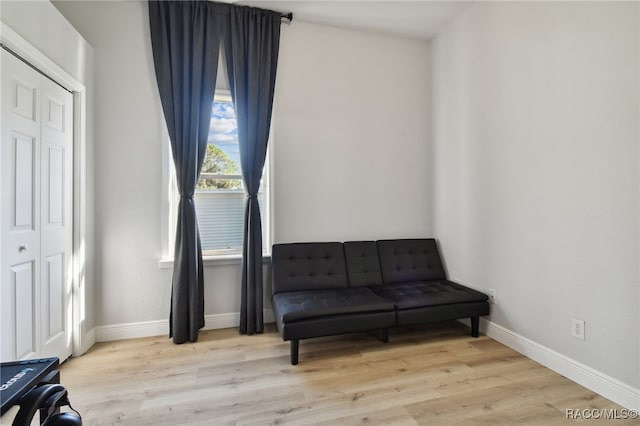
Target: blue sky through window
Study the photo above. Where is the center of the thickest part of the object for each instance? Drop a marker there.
(223, 131)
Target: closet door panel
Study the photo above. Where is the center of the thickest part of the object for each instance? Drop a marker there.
(36, 159)
(19, 209)
(56, 188)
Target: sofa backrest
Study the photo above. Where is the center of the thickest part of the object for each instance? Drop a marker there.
(363, 263)
(407, 260)
(308, 266)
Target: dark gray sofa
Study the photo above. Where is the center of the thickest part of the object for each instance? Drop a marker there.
(322, 289)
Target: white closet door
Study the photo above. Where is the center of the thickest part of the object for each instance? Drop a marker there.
(35, 223)
(56, 226)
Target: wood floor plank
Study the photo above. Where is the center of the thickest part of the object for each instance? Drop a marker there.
(435, 375)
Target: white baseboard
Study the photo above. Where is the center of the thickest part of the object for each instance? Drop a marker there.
(607, 386)
(89, 340)
(84, 343)
(133, 330)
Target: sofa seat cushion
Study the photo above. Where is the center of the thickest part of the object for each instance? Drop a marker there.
(411, 295)
(308, 304)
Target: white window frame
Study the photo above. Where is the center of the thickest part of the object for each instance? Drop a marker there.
(170, 198)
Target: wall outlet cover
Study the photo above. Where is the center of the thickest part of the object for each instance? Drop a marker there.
(577, 328)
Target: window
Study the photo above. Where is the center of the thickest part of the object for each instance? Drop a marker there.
(220, 195)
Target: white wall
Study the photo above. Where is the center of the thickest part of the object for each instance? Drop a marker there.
(350, 110)
(128, 169)
(352, 150)
(536, 132)
(46, 29)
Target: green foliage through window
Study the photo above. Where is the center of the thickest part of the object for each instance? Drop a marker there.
(218, 162)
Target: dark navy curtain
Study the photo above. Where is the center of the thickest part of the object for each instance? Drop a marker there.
(251, 49)
(185, 38)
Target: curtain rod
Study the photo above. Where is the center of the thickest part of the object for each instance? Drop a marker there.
(287, 16)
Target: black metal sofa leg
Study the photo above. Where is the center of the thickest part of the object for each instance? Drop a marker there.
(475, 326)
(295, 343)
(385, 335)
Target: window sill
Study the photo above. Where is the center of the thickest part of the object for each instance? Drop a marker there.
(227, 259)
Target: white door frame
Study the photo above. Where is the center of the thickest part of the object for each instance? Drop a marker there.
(82, 339)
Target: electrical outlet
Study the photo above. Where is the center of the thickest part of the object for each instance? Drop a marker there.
(577, 328)
(492, 296)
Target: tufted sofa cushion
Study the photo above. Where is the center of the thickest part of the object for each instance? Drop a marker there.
(308, 266)
(363, 264)
(410, 260)
(304, 305)
(428, 293)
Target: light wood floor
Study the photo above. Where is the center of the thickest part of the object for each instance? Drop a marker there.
(428, 375)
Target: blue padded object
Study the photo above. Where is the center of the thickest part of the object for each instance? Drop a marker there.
(308, 266)
(409, 260)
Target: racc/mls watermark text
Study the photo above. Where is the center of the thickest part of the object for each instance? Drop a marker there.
(601, 414)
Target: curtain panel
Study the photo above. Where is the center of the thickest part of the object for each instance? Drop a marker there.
(186, 37)
(251, 48)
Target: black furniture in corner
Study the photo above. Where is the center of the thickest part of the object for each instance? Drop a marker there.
(329, 288)
(34, 385)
